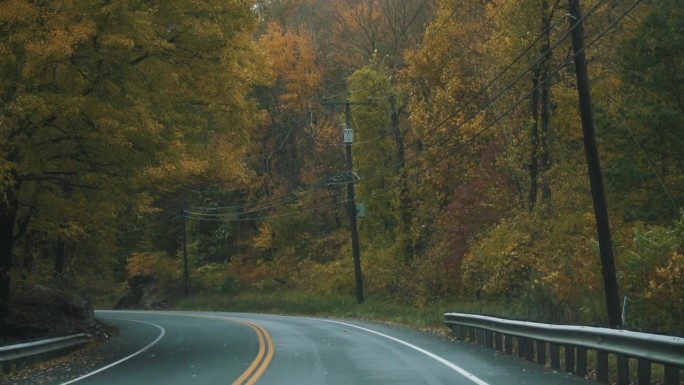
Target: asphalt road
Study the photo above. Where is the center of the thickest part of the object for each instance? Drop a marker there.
(228, 348)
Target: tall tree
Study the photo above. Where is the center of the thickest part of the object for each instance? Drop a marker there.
(291, 102)
(349, 34)
(100, 98)
(643, 124)
(540, 111)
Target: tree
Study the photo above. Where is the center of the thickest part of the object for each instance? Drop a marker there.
(99, 99)
(642, 125)
(447, 112)
(349, 34)
(291, 102)
(367, 30)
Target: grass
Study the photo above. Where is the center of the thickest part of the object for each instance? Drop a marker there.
(426, 317)
(336, 306)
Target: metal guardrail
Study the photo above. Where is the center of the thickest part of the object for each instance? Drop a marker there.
(532, 340)
(36, 349)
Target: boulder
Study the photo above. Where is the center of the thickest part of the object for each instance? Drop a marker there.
(38, 311)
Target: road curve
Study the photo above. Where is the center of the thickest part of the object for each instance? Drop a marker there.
(230, 348)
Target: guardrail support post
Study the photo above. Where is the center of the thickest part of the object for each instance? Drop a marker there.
(555, 356)
(602, 367)
(581, 362)
(529, 349)
(462, 333)
(497, 341)
(508, 344)
(644, 372)
(622, 370)
(569, 359)
(522, 345)
(472, 334)
(541, 352)
(489, 338)
(671, 375)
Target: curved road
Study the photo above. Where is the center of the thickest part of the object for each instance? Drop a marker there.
(229, 348)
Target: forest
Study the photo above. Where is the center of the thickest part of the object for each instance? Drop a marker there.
(199, 144)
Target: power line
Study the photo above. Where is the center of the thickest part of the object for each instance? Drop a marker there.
(499, 94)
(291, 213)
(499, 76)
(462, 145)
(510, 85)
(152, 224)
(504, 90)
(509, 66)
(226, 217)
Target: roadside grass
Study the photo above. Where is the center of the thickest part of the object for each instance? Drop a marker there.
(429, 316)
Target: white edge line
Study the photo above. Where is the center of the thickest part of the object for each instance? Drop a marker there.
(454, 367)
(163, 331)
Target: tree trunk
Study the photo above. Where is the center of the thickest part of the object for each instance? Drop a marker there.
(8, 215)
(404, 197)
(545, 113)
(541, 115)
(534, 140)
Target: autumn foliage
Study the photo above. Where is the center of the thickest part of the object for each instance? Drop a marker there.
(133, 132)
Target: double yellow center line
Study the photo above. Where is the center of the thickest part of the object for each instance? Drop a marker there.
(257, 368)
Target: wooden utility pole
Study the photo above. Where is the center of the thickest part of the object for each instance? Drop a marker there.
(595, 178)
(351, 204)
(351, 200)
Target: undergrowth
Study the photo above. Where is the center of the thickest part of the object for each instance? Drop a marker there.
(334, 306)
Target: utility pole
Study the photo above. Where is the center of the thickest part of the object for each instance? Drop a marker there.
(595, 178)
(351, 200)
(185, 252)
(351, 204)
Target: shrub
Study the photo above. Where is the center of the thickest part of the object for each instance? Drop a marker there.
(652, 276)
(163, 270)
